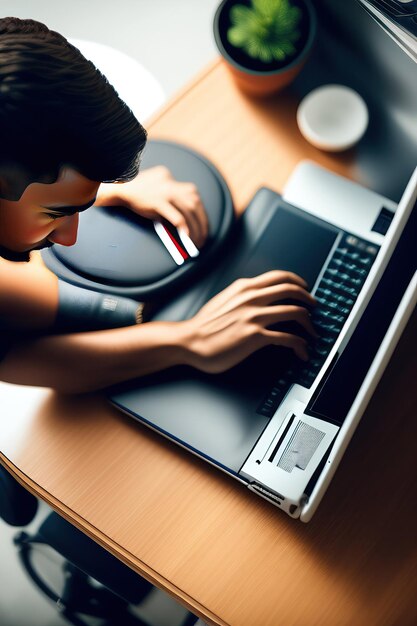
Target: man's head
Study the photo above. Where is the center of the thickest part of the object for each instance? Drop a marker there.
(63, 131)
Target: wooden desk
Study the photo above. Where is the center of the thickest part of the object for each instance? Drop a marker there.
(231, 557)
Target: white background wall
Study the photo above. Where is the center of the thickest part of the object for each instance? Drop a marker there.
(171, 38)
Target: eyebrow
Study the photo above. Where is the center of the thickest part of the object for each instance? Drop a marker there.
(70, 210)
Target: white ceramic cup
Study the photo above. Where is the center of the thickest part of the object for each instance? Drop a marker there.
(333, 117)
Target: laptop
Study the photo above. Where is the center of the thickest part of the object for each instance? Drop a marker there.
(277, 425)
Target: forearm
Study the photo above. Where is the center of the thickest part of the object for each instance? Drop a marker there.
(226, 330)
(82, 362)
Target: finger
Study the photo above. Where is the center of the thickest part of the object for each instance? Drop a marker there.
(193, 210)
(202, 219)
(190, 193)
(262, 281)
(274, 277)
(284, 291)
(295, 343)
(194, 227)
(172, 214)
(281, 313)
(190, 221)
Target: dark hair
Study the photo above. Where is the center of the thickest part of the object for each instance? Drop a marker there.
(57, 109)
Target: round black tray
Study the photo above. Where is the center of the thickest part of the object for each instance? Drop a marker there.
(117, 252)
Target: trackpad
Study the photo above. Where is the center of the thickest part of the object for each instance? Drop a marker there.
(199, 411)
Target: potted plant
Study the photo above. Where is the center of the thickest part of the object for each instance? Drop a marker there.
(265, 43)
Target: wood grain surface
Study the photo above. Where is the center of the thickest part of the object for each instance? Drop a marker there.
(231, 557)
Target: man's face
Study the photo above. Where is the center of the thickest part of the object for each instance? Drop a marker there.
(46, 213)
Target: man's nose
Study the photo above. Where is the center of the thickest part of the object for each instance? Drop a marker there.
(66, 233)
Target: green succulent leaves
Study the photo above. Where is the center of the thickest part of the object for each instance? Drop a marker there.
(266, 31)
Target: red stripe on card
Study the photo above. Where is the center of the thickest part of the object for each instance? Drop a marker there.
(181, 250)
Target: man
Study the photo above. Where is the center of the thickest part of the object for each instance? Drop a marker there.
(64, 132)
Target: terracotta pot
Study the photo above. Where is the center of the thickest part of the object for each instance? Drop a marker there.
(255, 77)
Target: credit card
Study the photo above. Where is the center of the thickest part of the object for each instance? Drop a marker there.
(173, 242)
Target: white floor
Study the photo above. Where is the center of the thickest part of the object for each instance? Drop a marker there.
(173, 40)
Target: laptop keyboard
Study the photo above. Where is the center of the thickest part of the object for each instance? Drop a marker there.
(336, 294)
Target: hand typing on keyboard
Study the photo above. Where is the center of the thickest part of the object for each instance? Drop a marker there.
(335, 295)
(238, 320)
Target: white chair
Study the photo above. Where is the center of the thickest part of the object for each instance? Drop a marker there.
(134, 83)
